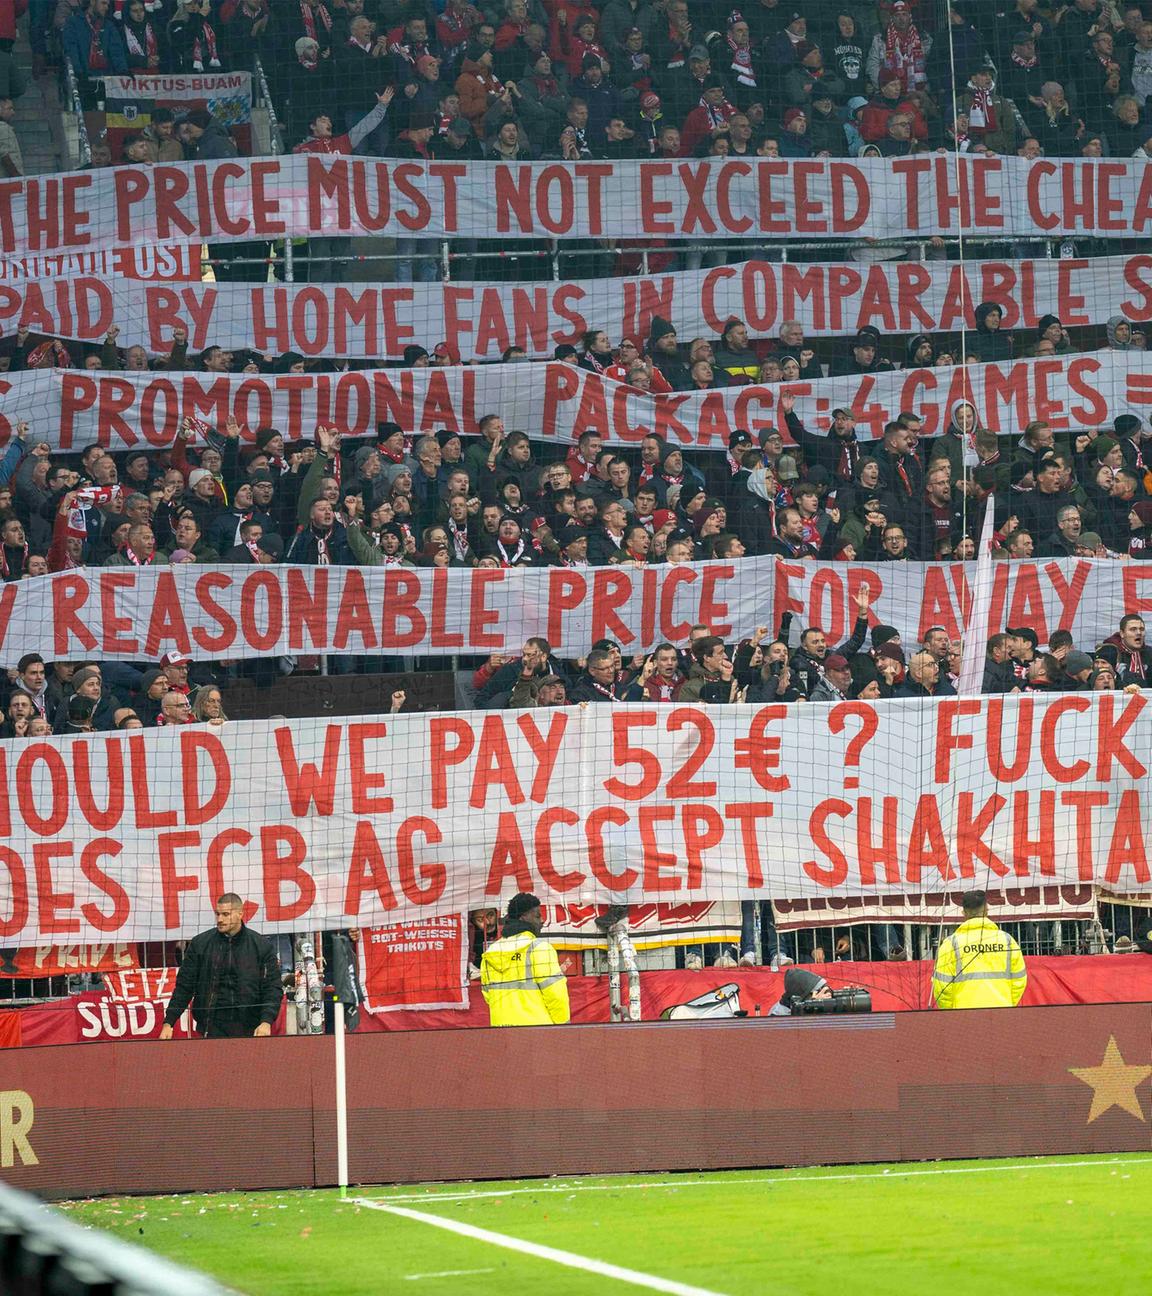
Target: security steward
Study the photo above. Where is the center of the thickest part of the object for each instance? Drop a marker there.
(231, 977)
(979, 966)
(520, 973)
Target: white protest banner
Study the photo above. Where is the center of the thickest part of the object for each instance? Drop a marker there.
(382, 819)
(480, 321)
(225, 612)
(702, 200)
(69, 408)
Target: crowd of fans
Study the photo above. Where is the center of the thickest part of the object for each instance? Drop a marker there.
(627, 78)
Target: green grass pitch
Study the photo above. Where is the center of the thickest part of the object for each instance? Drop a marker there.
(1074, 1225)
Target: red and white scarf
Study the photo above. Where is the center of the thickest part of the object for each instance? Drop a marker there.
(742, 68)
(904, 57)
(308, 17)
(982, 113)
(461, 545)
(132, 557)
(205, 43)
(149, 48)
(510, 560)
(97, 62)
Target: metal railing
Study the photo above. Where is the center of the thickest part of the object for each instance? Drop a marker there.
(76, 108)
(264, 96)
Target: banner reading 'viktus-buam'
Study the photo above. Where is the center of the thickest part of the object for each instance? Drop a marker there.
(69, 408)
(368, 822)
(757, 199)
(139, 613)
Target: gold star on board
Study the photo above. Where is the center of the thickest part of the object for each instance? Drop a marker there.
(1114, 1083)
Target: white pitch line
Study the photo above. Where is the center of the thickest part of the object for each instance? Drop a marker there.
(567, 1258)
(766, 1179)
(447, 1273)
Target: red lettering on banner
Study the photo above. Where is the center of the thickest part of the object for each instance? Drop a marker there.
(566, 592)
(681, 784)
(17, 889)
(90, 868)
(1083, 804)
(509, 858)
(947, 740)
(433, 876)
(1020, 729)
(354, 615)
(401, 602)
(746, 814)
(48, 900)
(494, 766)
(1049, 748)
(192, 743)
(703, 830)
(624, 753)
(835, 873)
(655, 211)
(365, 782)
(594, 827)
(1127, 848)
(441, 637)
(205, 587)
(172, 883)
(69, 595)
(367, 871)
(214, 865)
(927, 848)
(1110, 737)
(282, 852)
(970, 830)
(110, 778)
(441, 755)
(1042, 847)
(542, 841)
(885, 851)
(52, 823)
(545, 747)
(655, 859)
(611, 589)
(305, 784)
(166, 622)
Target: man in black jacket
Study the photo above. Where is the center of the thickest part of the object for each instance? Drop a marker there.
(231, 976)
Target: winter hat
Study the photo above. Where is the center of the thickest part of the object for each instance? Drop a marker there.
(264, 436)
(698, 54)
(259, 475)
(196, 476)
(149, 678)
(741, 437)
(1076, 662)
(591, 60)
(660, 328)
(284, 362)
(834, 661)
(1104, 445)
(890, 652)
(883, 634)
(701, 516)
(1046, 321)
(791, 115)
(661, 518)
(564, 351)
(271, 544)
(855, 104)
(362, 456)
(199, 117)
(392, 471)
(412, 354)
(1026, 633)
(1089, 540)
(1143, 510)
(568, 535)
(83, 675)
(1126, 425)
